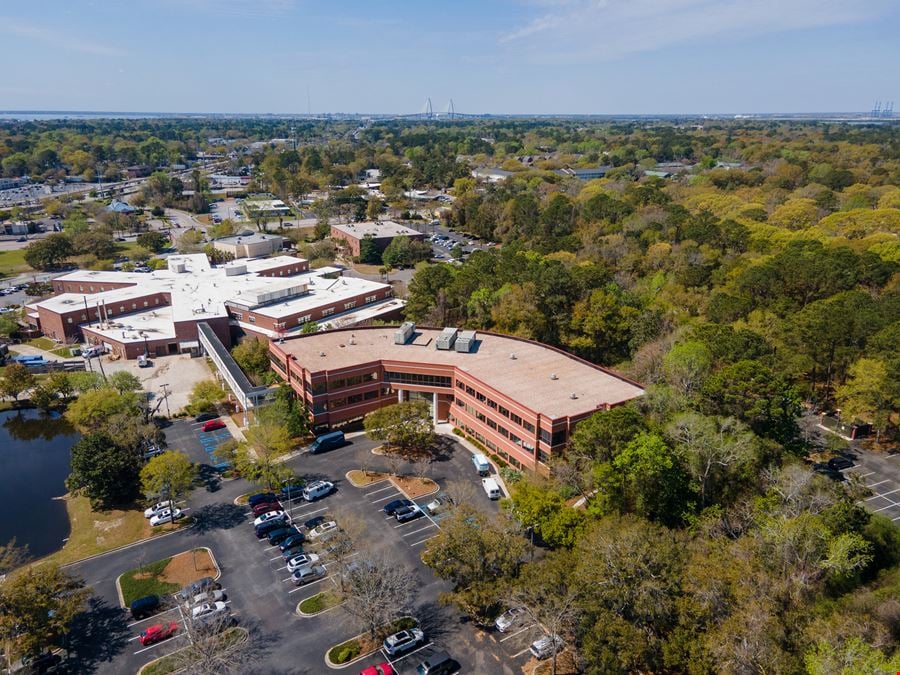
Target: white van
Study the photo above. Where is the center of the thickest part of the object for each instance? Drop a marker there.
(316, 490)
(491, 488)
(481, 464)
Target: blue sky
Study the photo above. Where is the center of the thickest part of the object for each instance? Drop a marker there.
(497, 56)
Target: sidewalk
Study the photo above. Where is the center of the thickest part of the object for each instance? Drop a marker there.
(446, 429)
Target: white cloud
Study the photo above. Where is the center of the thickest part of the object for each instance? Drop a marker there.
(596, 30)
(54, 38)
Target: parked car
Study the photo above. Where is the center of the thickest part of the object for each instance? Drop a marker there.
(152, 452)
(406, 513)
(270, 515)
(301, 560)
(403, 641)
(391, 507)
(439, 503)
(209, 609)
(157, 633)
(439, 663)
(839, 463)
(545, 646)
(289, 553)
(265, 507)
(277, 536)
(211, 595)
(317, 490)
(205, 417)
(212, 425)
(199, 586)
(144, 607)
(151, 511)
(166, 516)
(293, 491)
(263, 529)
(261, 497)
(511, 618)
(45, 662)
(293, 541)
(323, 529)
(825, 470)
(381, 669)
(307, 574)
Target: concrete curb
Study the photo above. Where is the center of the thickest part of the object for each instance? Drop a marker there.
(190, 550)
(360, 487)
(307, 615)
(126, 546)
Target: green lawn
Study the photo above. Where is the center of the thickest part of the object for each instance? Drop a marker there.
(13, 263)
(319, 602)
(139, 582)
(43, 343)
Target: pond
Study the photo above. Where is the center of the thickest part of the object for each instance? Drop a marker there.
(34, 464)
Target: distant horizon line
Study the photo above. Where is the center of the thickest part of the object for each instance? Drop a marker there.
(63, 113)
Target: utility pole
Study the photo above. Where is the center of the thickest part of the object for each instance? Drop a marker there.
(166, 398)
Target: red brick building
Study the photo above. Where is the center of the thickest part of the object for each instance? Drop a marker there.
(382, 232)
(519, 398)
(157, 313)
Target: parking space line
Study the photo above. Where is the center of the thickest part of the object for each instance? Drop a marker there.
(884, 494)
(894, 519)
(165, 611)
(423, 540)
(521, 630)
(311, 583)
(515, 656)
(408, 522)
(884, 508)
(865, 475)
(384, 499)
(374, 492)
(399, 659)
(421, 529)
(878, 483)
(309, 513)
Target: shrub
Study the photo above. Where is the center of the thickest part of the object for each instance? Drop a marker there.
(344, 652)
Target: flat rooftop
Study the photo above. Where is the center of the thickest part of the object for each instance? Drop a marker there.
(378, 229)
(527, 379)
(251, 238)
(201, 291)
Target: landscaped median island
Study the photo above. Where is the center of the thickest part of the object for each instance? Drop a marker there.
(413, 486)
(364, 644)
(318, 603)
(166, 576)
(179, 660)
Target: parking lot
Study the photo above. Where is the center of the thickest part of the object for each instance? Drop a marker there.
(881, 474)
(261, 588)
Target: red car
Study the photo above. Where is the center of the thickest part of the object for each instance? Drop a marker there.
(260, 509)
(380, 669)
(212, 425)
(158, 633)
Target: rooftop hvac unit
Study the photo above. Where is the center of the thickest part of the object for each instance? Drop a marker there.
(465, 342)
(404, 333)
(447, 338)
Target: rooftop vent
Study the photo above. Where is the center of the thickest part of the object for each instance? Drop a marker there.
(513, 356)
(573, 395)
(321, 353)
(553, 376)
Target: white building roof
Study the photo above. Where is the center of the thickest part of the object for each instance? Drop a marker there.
(201, 291)
(377, 229)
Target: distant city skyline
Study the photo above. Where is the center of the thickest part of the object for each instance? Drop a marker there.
(495, 56)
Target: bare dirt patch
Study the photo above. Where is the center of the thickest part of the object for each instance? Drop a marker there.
(189, 566)
(414, 486)
(360, 478)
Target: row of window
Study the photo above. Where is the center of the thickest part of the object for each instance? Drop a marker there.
(417, 379)
(354, 381)
(512, 461)
(528, 426)
(503, 431)
(338, 403)
(555, 438)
